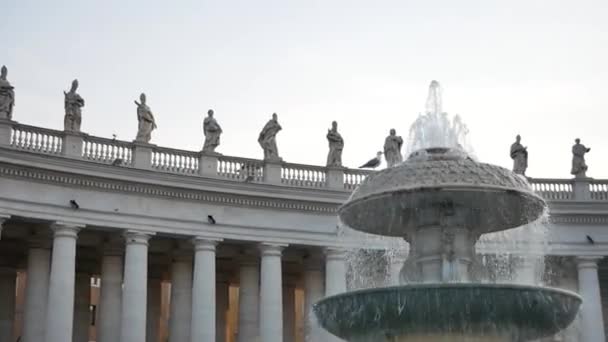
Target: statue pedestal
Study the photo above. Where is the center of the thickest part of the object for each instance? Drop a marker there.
(272, 171)
(334, 178)
(6, 127)
(72, 144)
(142, 155)
(580, 187)
(207, 165)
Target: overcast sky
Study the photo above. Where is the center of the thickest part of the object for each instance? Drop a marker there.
(537, 68)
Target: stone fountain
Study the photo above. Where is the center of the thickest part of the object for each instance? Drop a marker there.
(441, 201)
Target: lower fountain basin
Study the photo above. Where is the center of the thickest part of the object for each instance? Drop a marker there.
(448, 312)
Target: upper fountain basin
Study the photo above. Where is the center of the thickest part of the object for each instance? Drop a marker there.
(441, 187)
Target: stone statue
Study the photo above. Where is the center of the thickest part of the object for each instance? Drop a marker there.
(519, 154)
(146, 121)
(579, 167)
(336, 145)
(267, 139)
(212, 131)
(7, 96)
(392, 149)
(73, 104)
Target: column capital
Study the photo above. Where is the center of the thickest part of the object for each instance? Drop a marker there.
(65, 229)
(205, 244)
(583, 262)
(271, 249)
(334, 253)
(135, 237)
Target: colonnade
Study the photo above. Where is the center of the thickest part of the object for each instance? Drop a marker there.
(56, 296)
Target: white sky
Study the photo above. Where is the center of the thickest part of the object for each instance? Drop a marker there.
(537, 68)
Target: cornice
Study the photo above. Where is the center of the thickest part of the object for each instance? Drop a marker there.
(112, 185)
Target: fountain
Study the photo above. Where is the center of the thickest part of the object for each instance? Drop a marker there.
(441, 201)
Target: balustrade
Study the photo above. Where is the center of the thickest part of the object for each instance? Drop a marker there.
(121, 153)
(243, 169)
(308, 176)
(352, 178)
(175, 161)
(553, 189)
(599, 190)
(107, 151)
(36, 139)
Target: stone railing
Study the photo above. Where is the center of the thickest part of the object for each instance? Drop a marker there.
(35, 139)
(151, 157)
(107, 151)
(308, 176)
(553, 189)
(598, 189)
(174, 161)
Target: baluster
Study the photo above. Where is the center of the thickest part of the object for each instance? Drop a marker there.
(20, 140)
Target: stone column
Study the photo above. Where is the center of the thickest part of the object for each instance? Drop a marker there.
(289, 313)
(134, 293)
(110, 300)
(313, 291)
(222, 287)
(36, 290)
(335, 271)
(592, 325)
(153, 315)
(60, 305)
(8, 282)
(82, 313)
(203, 291)
(181, 296)
(271, 291)
(249, 298)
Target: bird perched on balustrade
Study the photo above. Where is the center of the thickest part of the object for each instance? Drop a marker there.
(373, 163)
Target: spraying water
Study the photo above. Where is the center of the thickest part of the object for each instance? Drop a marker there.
(435, 128)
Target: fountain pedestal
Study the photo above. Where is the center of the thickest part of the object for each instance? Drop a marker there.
(446, 255)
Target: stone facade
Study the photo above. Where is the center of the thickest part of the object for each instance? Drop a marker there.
(246, 246)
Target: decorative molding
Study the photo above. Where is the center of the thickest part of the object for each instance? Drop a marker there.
(97, 183)
(598, 219)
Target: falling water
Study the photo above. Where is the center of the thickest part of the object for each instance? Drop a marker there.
(435, 128)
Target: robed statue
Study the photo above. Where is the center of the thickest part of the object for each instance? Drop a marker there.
(519, 154)
(146, 121)
(267, 139)
(392, 149)
(73, 104)
(212, 131)
(579, 167)
(7, 96)
(336, 145)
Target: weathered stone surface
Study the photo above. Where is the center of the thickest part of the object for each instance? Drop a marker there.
(336, 145)
(519, 154)
(268, 139)
(212, 131)
(73, 104)
(392, 149)
(7, 96)
(579, 166)
(146, 121)
(492, 311)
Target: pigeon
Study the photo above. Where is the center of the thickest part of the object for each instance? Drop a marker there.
(113, 137)
(590, 240)
(117, 162)
(73, 204)
(210, 219)
(373, 163)
(248, 179)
